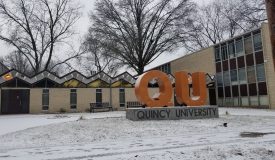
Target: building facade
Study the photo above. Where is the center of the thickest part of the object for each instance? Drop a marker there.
(48, 93)
(243, 68)
(240, 73)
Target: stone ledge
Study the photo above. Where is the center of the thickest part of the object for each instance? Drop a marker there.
(172, 113)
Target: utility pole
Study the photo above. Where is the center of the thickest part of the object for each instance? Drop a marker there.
(270, 8)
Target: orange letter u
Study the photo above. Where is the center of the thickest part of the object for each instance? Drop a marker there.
(199, 96)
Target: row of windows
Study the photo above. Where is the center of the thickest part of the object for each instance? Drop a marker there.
(240, 62)
(241, 79)
(253, 89)
(252, 74)
(73, 98)
(244, 101)
(166, 68)
(238, 47)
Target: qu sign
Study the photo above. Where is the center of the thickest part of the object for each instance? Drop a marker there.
(163, 98)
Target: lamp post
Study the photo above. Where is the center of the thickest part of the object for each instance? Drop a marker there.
(270, 8)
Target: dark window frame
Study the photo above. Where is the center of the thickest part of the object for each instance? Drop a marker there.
(73, 98)
(250, 60)
(259, 57)
(262, 88)
(45, 99)
(260, 71)
(224, 52)
(231, 49)
(122, 97)
(217, 54)
(259, 45)
(241, 62)
(248, 44)
(239, 47)
(99, 98)
(253, 89)
(251, 75)
(233, 64)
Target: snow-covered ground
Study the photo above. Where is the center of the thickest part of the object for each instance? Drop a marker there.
(109, 135)
(12, 123)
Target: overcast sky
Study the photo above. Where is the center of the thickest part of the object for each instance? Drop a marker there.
(83, 24)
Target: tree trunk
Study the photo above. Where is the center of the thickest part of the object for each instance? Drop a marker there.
(140, 70)
(270, 7)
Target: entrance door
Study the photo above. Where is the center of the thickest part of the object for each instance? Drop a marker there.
(212, 96)
(15, 101)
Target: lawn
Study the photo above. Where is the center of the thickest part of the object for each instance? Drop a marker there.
(248, 134)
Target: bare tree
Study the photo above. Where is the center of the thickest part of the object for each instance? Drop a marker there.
(96, 57)
(138, 31)
(253, 12)
(220, 20)
(16, 60)
(209, 28)
(36, 27)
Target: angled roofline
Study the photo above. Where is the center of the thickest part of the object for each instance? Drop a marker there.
(74, 71)
(126, 72)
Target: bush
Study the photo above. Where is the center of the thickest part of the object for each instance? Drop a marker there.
(62, 110)
(227, 113)
(87, 110)
(81, 118)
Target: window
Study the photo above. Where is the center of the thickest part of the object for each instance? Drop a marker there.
(218, 67)
(259, 56)
(220, 92)
(234, 77)
(169, 69)
(226, 79)
(220, 101)
(231, 49)
(98, 95)
(73, 98)
(260, 73)
(239, 47)
(254, 101)
(241, 63)
(264, 101)
(122, 97)
(228, 102)
(242, 76)
(45, 100)
(235, 91)
(224, 52)
(243, 89)
(262, 88)
(227, 91)
(257, 42)
(225, 65)
(219, 79)
(236, 102)
(217, 54)
(250, 60)
(166, 68)
(251, 74)
(245, 101)
(248, 45)
(253, 89)
(233, 64)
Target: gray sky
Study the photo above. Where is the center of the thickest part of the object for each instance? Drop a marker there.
(82, 26)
